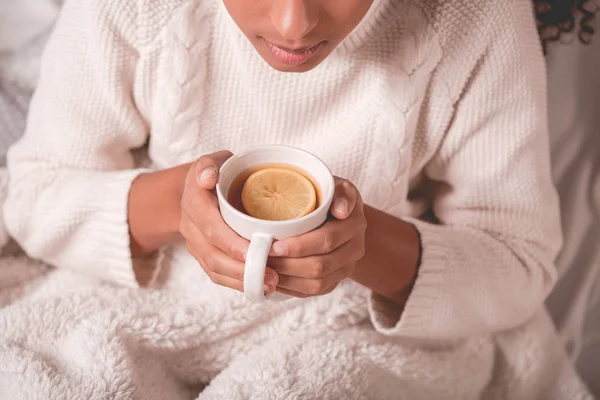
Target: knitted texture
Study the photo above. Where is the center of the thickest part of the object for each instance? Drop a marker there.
(425, 105)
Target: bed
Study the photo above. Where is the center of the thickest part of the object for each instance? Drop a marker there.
(574, 109)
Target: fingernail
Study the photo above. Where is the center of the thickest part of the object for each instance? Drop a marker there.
(341, 206)
(207, 174)
(268, 289)
(279, 249)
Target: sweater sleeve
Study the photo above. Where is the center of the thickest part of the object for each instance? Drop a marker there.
(71, 173)
(488, 265)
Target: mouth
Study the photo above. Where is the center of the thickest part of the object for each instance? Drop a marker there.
(289, 56)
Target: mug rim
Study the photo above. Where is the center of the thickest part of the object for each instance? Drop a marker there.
(232, 159)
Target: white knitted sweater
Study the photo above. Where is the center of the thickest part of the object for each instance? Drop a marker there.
(432, 104)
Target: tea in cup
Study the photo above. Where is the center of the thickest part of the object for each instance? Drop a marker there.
(291, 189)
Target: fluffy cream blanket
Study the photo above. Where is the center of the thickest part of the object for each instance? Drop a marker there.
(67, 336)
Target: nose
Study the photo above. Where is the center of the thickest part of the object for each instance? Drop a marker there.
(294, 19)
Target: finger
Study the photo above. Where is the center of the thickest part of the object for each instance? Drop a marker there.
(215, 261)
(314, 287)
(222, 280)
(344, 199)
(207, 224)
(316, 267)
(304, 295)
(207, 169)
(218, 265)
(324, 240)
(292, 293)
(229, 282)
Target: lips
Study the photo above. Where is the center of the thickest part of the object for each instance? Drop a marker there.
(292, 56)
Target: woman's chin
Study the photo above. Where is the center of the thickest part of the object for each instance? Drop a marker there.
(292, 68)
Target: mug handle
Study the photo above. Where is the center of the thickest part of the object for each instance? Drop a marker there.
(256, 263)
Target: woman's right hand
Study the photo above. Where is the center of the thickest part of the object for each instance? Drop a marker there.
(219, 250)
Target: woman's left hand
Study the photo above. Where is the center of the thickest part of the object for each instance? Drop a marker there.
(314, 264)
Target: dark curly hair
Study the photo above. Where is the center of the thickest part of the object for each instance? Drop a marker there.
(558, 17)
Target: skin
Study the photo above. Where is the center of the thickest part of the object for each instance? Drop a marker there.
(358, 242)
(296, 24)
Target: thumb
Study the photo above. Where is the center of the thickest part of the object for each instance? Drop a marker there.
(344, 199)
(207, 168)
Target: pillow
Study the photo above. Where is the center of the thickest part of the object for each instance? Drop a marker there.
(24, 28)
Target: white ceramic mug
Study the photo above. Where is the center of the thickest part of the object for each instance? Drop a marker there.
(262, 233)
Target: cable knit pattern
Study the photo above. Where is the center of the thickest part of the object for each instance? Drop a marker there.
(187, 37)
(426, 105)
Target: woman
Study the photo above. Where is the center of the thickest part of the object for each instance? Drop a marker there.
(436, 108)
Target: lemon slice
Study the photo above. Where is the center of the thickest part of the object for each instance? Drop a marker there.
(278, 194)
